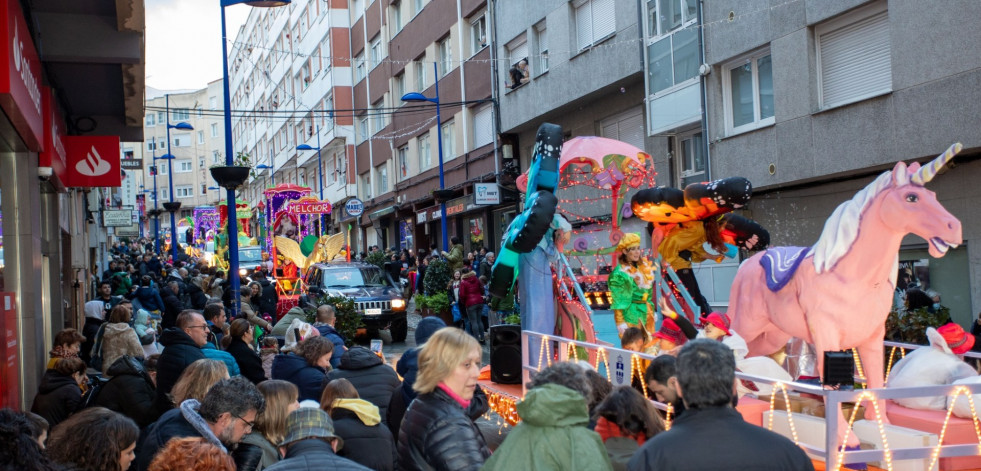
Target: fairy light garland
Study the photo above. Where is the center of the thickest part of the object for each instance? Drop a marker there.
(790, 414)
(541, 352)
(637, 368)
(886, 452)
(505, 406)
(601, 354)
(943, 430)
(858, 364)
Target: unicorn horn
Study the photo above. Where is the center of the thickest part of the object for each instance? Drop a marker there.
(928, 171)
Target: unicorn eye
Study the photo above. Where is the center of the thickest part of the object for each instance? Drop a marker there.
(912, 198)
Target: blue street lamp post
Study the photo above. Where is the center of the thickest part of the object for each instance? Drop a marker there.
(272, 172)
(320, 171)
(415, 97)
(233, 275)
(156, 200)
(170, 177)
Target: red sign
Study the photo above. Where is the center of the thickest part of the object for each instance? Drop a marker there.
(308, 205)
(53, 155)
(9, 362)
(93, 161)
(20, 85)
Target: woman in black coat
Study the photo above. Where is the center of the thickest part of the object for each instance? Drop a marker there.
(60, 394)
(130, 391)
(238, 343)
(366, 440)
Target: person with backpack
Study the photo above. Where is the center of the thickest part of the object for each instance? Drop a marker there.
(131, 391)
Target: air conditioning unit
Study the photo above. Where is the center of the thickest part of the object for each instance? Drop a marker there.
(401, 199)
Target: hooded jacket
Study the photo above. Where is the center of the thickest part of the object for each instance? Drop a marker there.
(471, 291)
(330, 333)
(437, 434)
(196, 295)
(58, 397)
(149, 298)
(295, 369)
(172, 307)
(552, 434)
(181, 422)
(296, 312)
(130, 391)
(119, 339)
(374, 381)
(179, 352)
(366, 440)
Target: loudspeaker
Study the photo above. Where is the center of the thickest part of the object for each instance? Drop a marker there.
(839, 368)
(505, 354)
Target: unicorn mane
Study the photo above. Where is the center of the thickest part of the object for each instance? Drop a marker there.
(841, 229)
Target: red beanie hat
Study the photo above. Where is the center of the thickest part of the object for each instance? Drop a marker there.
(719, 320)
(958, 340)
(671, 332)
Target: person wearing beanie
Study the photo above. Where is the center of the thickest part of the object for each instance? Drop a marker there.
(940, 363)
(669, 336)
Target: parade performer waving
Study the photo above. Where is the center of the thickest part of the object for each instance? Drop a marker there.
(632, 287)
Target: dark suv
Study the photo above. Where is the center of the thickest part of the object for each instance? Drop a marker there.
(379, 302)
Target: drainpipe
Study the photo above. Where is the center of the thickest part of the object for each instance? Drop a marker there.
(704, 89)
(492, 12)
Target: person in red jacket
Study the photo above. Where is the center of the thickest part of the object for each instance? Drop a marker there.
(472, 297)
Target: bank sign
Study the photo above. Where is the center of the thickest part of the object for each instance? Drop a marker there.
(20, 84)
(354, 207)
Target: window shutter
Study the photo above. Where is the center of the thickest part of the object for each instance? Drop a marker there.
(584, 26)
(632, 130)
(855, 61)
(518, 52)
(604, 19)
(483, 127)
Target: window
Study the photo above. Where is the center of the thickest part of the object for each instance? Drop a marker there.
(161, 117)
(425, 152)
(396, 10)
(182, 140)
(417, 6)
(184, 166)
(378, 116)
(359, 69)
(376, 52)
(165, 193)
(204, 188)
(449, 146)
(445, 50)
(213, 102)
(150, 145)
(672, 50)
(483, 126)
(201, 162)
(400, 85)
(692, 158)
(517, 50)
(357, 7)
(150, 121)
(854, 61)
(478, 33)
(327, 117)
(381, 172)
(541, 32)
(363, 129)
(674, 14)
(305, 76)
(215, 157)
(420, 68)
(214, 129)
(331, 170)
(402, 157)
(748, 93)
(184, 191)
(595, 20)
(365, 185)
(180, 114)
(200, 137)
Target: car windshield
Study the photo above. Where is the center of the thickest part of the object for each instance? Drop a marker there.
(250, 255)
(353, 277)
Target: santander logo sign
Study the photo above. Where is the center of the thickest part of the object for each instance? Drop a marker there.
(21, 65)
(93, 165)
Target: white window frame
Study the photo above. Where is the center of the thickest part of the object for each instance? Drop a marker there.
(375, 52)
(182, 140)
(877, 73)
(151, 145)
(478, 25)
(359, 67)
(200, 137)
(364, 129)
(399, 85)
(483, 113)
(424, 148)
(180, 114)
(727, 69)
(402, 160)
(686, 161)
(381, 178)
(448, 133)
(165, 194)
(184, 191)
(396, 18)
(365, 184)
(420, 69)
(214, 129)
(541, 37)
(444, 50)
(184, 166)
(151, 120)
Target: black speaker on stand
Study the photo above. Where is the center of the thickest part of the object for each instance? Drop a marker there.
(839, 369)
(505, 354)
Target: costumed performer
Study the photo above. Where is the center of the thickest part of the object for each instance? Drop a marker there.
(538, 315)
(632, 287)
(683, 245)
(939, 364)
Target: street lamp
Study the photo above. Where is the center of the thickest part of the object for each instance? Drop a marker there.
(156, 200)
(320, 171)
(233, 280)
(170, 177)
(272, 172)
(417, 97)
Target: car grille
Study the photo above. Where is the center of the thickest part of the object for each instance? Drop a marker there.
(383, 305)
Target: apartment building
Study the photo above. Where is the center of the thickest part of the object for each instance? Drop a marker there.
(811, 100)
(194, 151)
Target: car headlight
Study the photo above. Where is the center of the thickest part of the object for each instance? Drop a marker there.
(243, 271)
(398, 304)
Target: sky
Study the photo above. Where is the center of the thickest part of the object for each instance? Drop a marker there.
(183, 41)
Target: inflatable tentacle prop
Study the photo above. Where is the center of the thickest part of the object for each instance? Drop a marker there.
(527, 230)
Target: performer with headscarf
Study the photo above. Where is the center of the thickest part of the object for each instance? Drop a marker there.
(632, 287)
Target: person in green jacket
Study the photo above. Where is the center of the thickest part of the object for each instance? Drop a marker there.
(553, 431)
(455, 255)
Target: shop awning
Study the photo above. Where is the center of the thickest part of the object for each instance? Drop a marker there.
(376, 215)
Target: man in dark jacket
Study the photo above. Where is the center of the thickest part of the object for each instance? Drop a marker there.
(182, 346)
(326, 317)
(130, 391)
(706, 373)
(268, 297)
(196, 294)
(311, 443)
(172, 304)
(662, 382)
(225, 415)
(374, 381)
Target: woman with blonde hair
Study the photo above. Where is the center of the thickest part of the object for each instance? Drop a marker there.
(436, 432)
(258, 450)
(197, 379)
(191, 454)
(358, 423)
(119, 338)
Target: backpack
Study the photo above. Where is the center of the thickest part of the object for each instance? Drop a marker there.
(95, 360)
(95, 387)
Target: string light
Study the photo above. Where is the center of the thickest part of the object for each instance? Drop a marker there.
(637, 368)
(886, 452)
(790, 413)
(541, 351)
(601, 354)
(668, 417)
(571, 348)
(504, 405)
(858, 364)
(943, 430)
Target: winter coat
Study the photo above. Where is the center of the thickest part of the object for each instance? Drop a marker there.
(485, 269)
(58, 397)
(366, 440)
(296, 312)
(267, 355)
(335, 338)
(374, 381)
(248, 360)
(455, 257)
(130, 391)
(268, 454)
(119, 339)
(295, 369)
(197, 296)
(212, 353)
(172, 307)
(249, 313)
(141, 323)
(149, 298)
(437, 434)
(736, 444)
(313, 454)
(179, 352)
(471, 291)
(268, 298)
(553, 418)
(181, 422)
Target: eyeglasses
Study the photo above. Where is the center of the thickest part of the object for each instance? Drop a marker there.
(248, 424)
(204, 327)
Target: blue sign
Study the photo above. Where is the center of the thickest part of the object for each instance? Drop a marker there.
(354, 207)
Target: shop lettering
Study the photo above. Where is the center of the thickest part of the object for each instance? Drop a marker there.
(21, 65)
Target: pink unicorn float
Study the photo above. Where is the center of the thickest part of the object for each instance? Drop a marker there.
(836, 295)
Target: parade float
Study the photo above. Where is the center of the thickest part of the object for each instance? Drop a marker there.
(249, 252)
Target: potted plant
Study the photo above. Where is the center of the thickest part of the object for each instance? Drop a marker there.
(436, 305)
(232, 176)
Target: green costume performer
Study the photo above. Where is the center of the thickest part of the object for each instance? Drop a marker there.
(632, 287)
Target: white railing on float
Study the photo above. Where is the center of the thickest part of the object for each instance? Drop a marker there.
(540, 349)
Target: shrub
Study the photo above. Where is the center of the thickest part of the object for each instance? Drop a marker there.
(348, 320)
(376, 258)
(438, 275)
(910, 326)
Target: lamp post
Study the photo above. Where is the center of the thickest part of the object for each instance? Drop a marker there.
(170, 177)
(416, 97)
(320, 171)
(233, 278)
(156, 199)
(272, 172)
